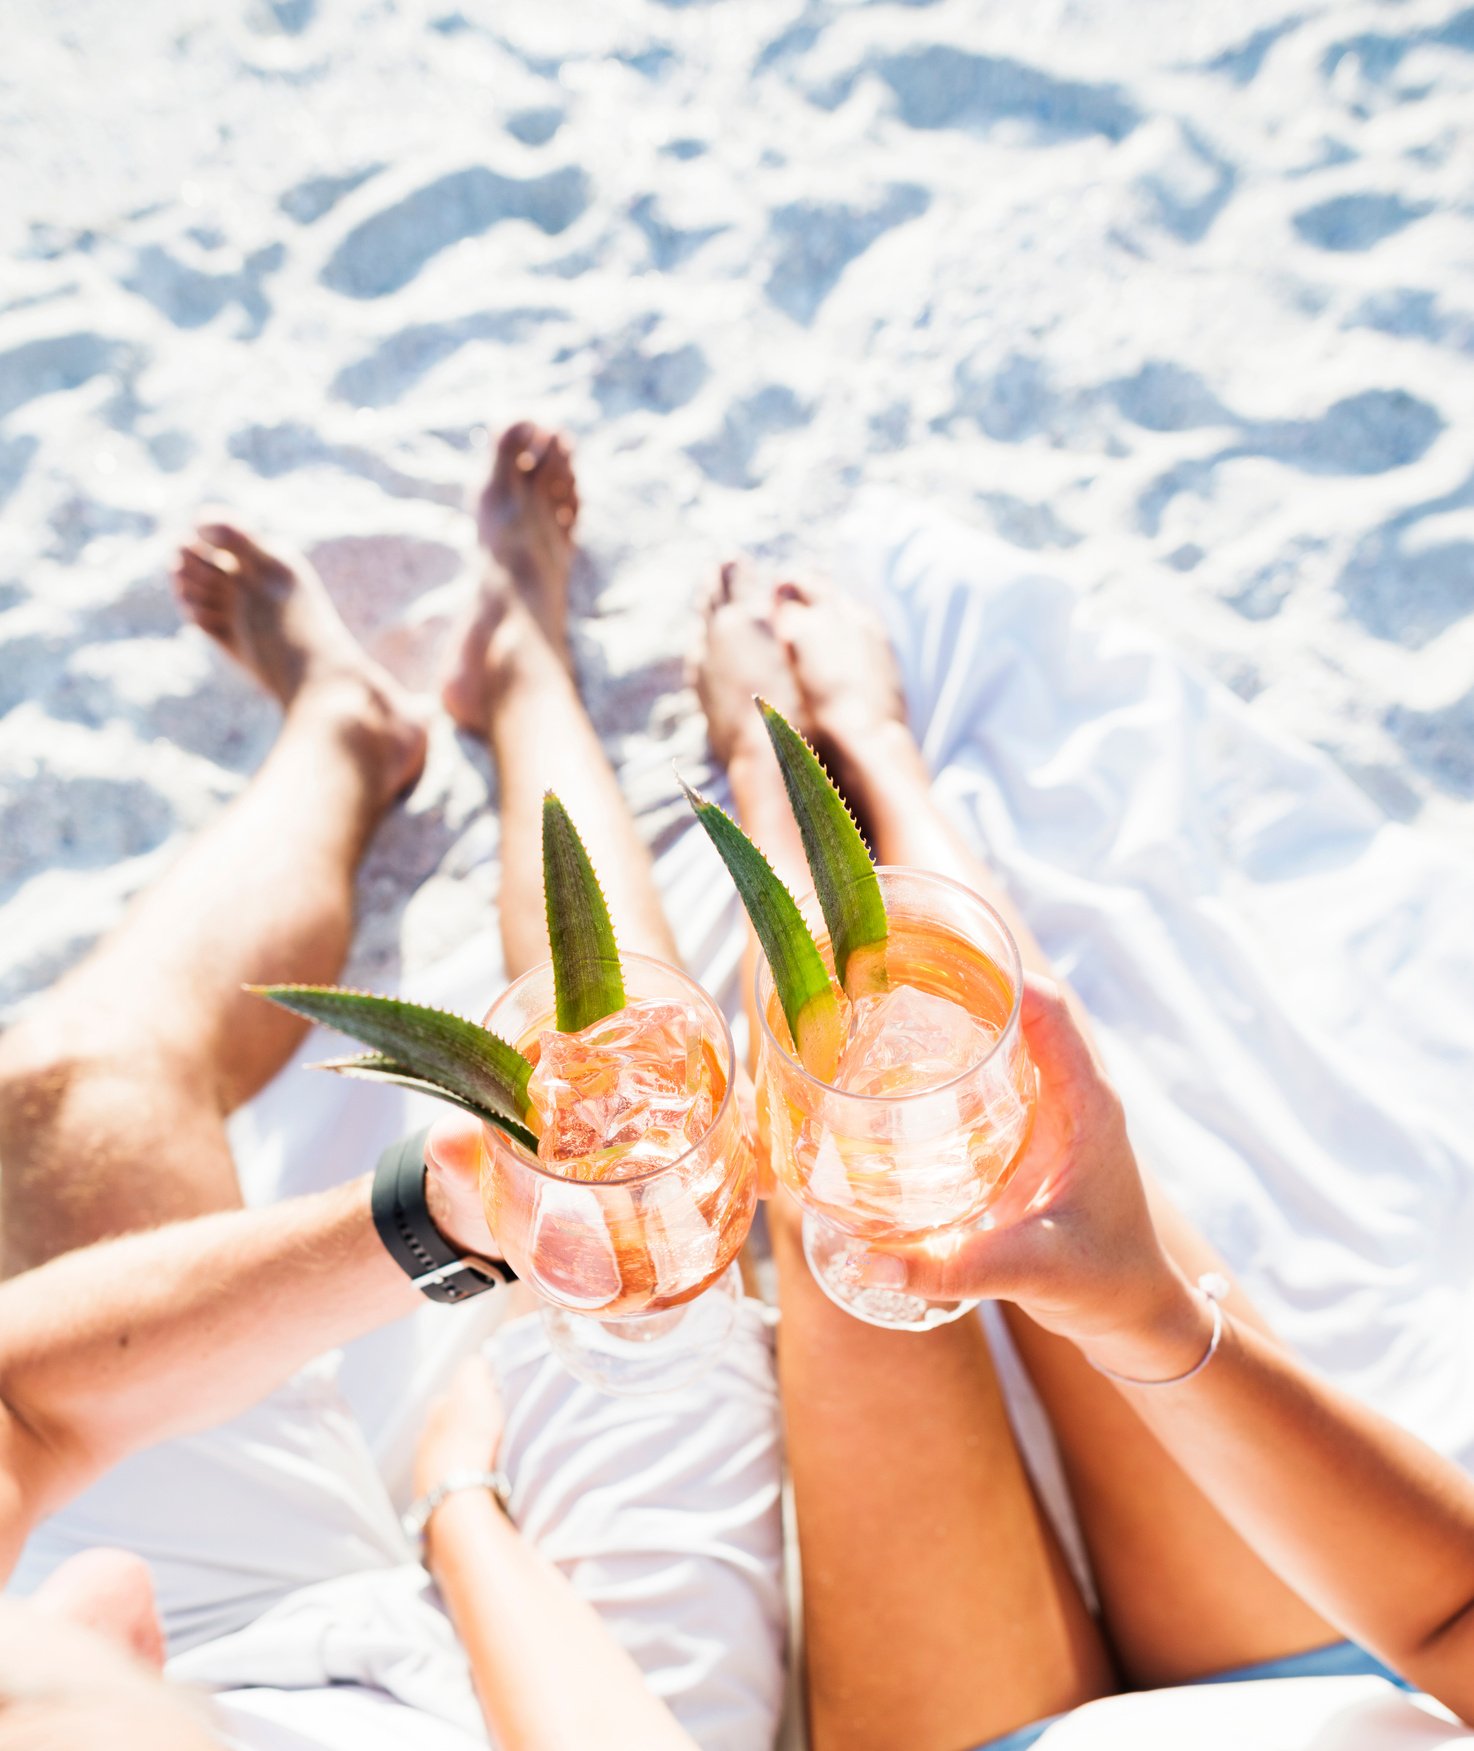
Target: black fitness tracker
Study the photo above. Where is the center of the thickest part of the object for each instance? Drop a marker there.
(411, 1238)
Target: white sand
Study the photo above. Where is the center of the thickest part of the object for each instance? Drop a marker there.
(1178, 295)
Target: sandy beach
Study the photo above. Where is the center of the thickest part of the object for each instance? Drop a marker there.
(1177, 299)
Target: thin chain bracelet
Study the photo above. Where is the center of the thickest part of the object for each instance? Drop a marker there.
(1212, 1286)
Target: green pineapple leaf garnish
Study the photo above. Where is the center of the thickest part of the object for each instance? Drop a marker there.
(424, 1048)
(587, 979)
(375, 1067)
(838, 858)
(800, 977)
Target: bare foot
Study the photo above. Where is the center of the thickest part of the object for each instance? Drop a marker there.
(844, 669)
(741, 655)
(278, 621)
(525, 517)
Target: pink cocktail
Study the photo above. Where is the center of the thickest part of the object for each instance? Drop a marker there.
(629, 1218)
(931, 1103)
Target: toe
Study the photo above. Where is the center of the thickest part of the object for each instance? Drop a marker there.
(520, 448)
(194, 565)
(790, 620)
(791, 591)
(739, 582)
(230, 538)
(555, 468)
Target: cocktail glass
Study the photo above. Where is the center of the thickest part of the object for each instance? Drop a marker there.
(927, 1115)
(635, 1271)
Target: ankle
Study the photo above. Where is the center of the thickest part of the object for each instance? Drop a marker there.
(520, 591)
(360, 715)
(521, 652)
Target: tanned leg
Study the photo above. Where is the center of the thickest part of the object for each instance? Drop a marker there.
(1182, 1594)
(114, 1090)
(513, 685)
(938, 1610)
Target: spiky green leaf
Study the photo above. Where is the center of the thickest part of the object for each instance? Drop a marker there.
(587, 980)
(375, 1067)
(805, 990)
(454, 1054)
(838, 858)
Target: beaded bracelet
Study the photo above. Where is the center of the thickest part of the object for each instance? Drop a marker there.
(1212, 1286)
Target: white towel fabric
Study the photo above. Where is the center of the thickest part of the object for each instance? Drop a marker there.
(1284, 988)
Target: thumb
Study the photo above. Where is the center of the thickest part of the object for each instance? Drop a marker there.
(964, 1264)
(454, 1145)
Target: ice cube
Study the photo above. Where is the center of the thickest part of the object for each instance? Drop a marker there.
(625, 1094)
(904, 1040)
(572, 1256)
(683, 1239)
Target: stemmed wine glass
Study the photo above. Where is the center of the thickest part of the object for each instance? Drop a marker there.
(931, 1104)
(635, 1270)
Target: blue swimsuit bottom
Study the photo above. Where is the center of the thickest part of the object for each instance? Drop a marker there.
(1340, 1660)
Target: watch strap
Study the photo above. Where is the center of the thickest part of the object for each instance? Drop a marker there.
(402, 1218)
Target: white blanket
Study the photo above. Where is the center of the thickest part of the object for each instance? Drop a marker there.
(1283, 984)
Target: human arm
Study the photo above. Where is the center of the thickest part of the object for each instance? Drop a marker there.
(549, 1675)
(127, 1343)
(1370, 1527)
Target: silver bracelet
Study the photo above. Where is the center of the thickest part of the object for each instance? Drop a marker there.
(1212, 1286)
(418, 1517)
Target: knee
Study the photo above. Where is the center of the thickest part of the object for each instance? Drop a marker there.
(37, 1065)
(44, 1060)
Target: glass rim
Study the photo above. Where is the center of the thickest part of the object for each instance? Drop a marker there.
(1015, 968)
(526, 1157)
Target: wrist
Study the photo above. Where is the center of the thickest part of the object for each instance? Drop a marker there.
(454, 1497)
(457, 1517)
(1159, 1336)
(443, 1213)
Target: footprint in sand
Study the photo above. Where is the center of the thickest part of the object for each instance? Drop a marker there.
(635, 377)
(15, 458)
(1369, 433)
(729, 456)
(1412, 577)
(59, 818)
(1347, 224)
(937, 86)
(308, 200)
(387, 250)
(536, 125)
(1439, 742)
(398, 363)
(815, 241)
(192, 296)
(52, 364)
